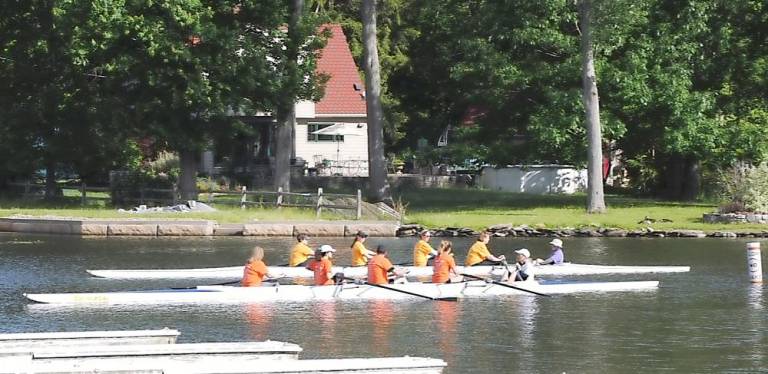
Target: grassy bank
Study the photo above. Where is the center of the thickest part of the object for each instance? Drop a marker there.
(479, 209)
(437, 208)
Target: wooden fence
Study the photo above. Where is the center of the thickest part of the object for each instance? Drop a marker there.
(244, 198)
(317, 201)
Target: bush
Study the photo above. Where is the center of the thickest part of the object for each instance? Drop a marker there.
(745, 188)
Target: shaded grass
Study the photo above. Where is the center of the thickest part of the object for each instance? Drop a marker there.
(479, 209)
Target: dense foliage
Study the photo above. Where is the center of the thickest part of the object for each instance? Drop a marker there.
(683, 85)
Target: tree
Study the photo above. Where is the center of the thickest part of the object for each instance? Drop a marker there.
(377, 167)
(595, 198)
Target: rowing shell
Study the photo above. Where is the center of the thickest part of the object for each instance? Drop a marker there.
(229, 294)
(232, 272)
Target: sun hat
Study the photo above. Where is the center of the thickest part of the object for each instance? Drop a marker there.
(557, 243)
(524, 252)
(326, 248)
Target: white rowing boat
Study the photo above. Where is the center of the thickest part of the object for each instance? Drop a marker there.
(233, 272)
(229, 294)
(41, 340)
(384, 365)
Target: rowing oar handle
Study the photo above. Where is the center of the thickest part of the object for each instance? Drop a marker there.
(504, 284)
(407, 292)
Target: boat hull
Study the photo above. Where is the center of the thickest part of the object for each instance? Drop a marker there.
(228, 294)
(234, 272)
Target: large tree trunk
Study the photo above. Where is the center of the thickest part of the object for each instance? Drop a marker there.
(692, 180)
(286, 109)
(188, 175)
(378, 187)
(595, 197)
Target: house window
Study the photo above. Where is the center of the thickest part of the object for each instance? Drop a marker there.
(312, 127)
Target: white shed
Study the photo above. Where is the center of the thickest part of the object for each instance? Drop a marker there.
(535, 179)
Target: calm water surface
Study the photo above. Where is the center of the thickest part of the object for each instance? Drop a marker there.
(708, 320)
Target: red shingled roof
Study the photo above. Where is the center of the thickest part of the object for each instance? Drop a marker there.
(336, 61)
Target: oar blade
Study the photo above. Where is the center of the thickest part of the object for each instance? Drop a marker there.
(447, 298)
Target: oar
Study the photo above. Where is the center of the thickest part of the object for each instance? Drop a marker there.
(227, 283)
(451, 298)
(503, 284)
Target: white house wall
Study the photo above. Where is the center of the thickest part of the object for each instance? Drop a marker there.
(535, 179)
(352, 156)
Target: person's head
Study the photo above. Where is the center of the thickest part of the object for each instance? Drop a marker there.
(556, 243)
(445, 246)
(326, 251)
(257, 254)
(360, 236)
(425, 235)
(522, 254)
(302, 238)
(381, 250)
(484, 237)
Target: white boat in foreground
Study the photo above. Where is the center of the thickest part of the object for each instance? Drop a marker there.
(234, 272)
(44, 340)
(385, 365)
(229, 294)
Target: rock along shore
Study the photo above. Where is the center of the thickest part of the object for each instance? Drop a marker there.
(170, 228)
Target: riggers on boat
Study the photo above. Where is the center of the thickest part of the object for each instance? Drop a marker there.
(350, 291)
(233, 272)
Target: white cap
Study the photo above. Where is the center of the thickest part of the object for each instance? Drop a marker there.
(326, 248)
(524, 252)
(557, 243)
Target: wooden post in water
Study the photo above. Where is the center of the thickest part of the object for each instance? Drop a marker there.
(359, 204)
(754, 262)
(279, 197)
(319, 207)
(242, 198)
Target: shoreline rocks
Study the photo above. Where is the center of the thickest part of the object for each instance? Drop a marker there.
(507, 230)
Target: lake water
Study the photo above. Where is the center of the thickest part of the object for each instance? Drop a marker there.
(708, 320)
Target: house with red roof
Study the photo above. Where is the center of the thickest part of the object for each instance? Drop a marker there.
(332, 134)
(330, 137)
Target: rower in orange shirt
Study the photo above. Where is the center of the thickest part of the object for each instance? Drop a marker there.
(444, 264)
(379, 267)
(255, 269)
(301, 253)
(322, 266)
(480, 255)
(360, 254)
(422, 251)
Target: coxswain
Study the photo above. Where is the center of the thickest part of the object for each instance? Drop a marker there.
(321, 265)
(301, 253)
(380, 268)
(523, 270)
(422, 251)
(444, 265)
(360, 254)
(479, 254)
(255, 269)
(556, 256)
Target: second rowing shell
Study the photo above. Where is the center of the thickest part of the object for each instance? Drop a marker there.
(228, 294)
(233, 272)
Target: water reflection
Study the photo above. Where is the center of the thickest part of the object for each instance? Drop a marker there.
(446, 316)
(525, 308)
(755, 297)
(382, 312)
(756, 323)
(259, 317)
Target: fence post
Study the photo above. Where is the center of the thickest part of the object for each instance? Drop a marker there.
(319, 207)
(242, 198)
(279, 197)
(82, 193)
(211, 186)
(174, 191)
(359, 204)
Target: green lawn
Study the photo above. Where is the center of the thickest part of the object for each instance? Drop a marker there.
(478, 209)
(434, 208)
